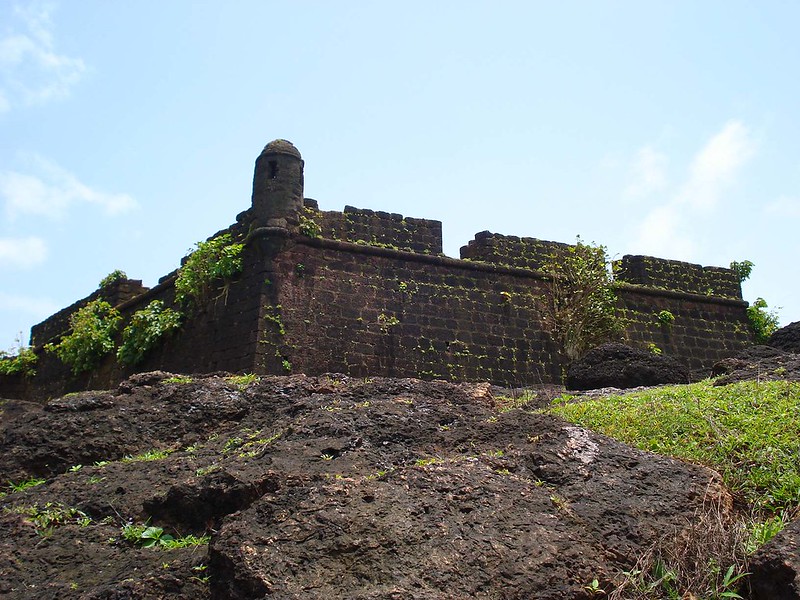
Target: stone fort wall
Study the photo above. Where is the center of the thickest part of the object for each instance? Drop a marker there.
(370, 293)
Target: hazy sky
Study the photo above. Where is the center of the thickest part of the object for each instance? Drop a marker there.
(128, 130)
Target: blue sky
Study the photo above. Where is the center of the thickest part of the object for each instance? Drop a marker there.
(128, 130)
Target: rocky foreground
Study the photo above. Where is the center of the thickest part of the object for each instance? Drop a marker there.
(329, 487)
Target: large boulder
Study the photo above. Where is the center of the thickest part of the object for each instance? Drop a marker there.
(775, 568)
(331, 487)
(787, 338)
(762, 363)
(620, 366)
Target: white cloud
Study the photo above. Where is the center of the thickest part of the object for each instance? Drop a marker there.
(785, 207)
(649, 173)
(22, 253)
(52, 190)
(660, 234)
(664, 231)
(32, 71)
(37, 307)
(716, 166)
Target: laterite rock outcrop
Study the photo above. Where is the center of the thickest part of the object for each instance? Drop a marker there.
(327, 487)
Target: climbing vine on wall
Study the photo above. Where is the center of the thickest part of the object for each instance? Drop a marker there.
(145, 330)
(207, 272)
(91, 336)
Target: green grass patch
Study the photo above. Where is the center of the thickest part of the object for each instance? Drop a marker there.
(243, 381)
(148, 536)
(179, 379)
(149, 455)
(51, 515)
(24, 485)
(749, 432)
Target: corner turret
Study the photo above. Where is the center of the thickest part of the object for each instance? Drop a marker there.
(278, 185)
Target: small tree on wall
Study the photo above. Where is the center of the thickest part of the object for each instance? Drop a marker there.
(580, 309)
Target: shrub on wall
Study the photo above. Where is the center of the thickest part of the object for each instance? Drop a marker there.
(145, 330)
(763, 322)
(22, 362)
(580, 309)
(91, 336)
(742, 269)
(208, 270)
(115, 275)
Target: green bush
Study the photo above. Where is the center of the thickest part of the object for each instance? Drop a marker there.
(580, 308)
(145, 330)
(91, 336)
(23, 362)
(309, 227)
(665, 317)
(763, 322)
(742, 269)
(115, 275)
(208, 270)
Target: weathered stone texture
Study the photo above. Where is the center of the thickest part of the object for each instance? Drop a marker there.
(679, 276)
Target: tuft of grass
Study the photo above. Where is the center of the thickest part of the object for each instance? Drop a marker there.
(51, 515)
(179, 379)
(243, 381)
(507, 403)
(149, 536)
(749, 432)
(149, 455)
(24, 485)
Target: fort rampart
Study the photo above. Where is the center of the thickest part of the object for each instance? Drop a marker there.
(366, 293)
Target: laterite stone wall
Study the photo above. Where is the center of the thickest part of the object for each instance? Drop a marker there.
(375, 311)
(366, 293)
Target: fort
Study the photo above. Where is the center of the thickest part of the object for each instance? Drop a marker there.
(367, 293)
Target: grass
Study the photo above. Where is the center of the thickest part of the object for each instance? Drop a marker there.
(148, 536)
(179, 379)
(243, 381)
(24, 485)
(149, 455)
(749, 432)
(52, 514)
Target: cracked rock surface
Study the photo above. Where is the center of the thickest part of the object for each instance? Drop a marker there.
(326, 487)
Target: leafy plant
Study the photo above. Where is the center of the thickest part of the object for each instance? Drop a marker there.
(145, 330)
(762, 532)
(386, 322)
(580, 308)
(742, 269)
(53, 514)
(91, 336)
(309, 227)
(22, 361)
(149, 456)
(207, 270)
(243, 381)
(24, 485)
(148, 536)
(115, 275)
(665, 318)
(763, 322)
(179, 379)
